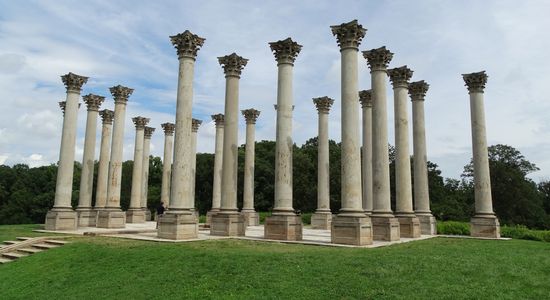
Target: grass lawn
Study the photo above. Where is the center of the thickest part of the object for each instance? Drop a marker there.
(440, 268)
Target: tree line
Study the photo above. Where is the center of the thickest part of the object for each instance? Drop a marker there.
(26, 193)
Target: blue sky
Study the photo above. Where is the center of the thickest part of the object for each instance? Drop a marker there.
(126, 42)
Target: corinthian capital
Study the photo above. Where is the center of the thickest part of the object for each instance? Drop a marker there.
(121, 93)
(418, 90)
(168, 128)
(187, 44)
(365, 98)
(323, 104)
(475, 81)
(285, 51)
(378, 59)
(148, 132)
(93, 102)
(349, 35)
(63, 104)
(250, 115)
(195, 124)
(232, 64)
(140, 122)
(107, 116)
(73, 82)
(218, 119)
(399, 77)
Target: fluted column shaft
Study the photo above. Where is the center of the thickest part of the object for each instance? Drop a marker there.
(167, 162)
(218, 161)
(137, 171)
(145, 166)
(248, 190)
(103, 169)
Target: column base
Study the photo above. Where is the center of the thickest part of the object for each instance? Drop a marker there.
(251, 218)
(321, 220)
(209, 215)
(428, 224)
(135, 215)
(385, 228)
(62, 219)
(409, 226)
(351, 230)
(228, 224)
(178, 226)
(283, 227)
(86, 217)
(148, 216)
(111, 219)
(485, 226)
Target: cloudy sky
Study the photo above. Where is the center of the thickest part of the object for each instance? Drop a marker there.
(126, 42)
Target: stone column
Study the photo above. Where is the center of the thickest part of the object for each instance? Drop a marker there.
(251, 217)
(409, 224)
(145, 171)
(135, 214)
(218, 159)
(365, 98)
(351, 226)
(167, 162)
(86, 215)
(228, 222)
(112, 216)
(322, 218)
(385, 225)
(103, 170)
(417, 91)
(284, 224)
(179, 222)
(195, 124)
(62, 216)
(484, 223)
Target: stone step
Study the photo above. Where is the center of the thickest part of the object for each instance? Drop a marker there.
(4, 260)
(22, 238)
(13, 255)
(55, 242)
(11, 242)
(30, 250)
(44, 246)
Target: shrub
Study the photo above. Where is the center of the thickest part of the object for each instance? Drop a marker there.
(453, 228)
(523, 233)
(306, 218)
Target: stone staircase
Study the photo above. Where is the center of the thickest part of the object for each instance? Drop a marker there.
(25, 246)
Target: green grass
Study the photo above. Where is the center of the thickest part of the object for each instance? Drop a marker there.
(438, 268)
(516, 232)
(10, 232)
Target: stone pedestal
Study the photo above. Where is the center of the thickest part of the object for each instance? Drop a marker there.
(86, 217)
(428, 224)
(148, 216)
(209, 216)
(409, 226)
(111, 219)
(486, 227)
(283, 227)
(385, 228)
(61, 220)
(178, 226)
(321, 220)
(228, 224)
(135, 215)
(251, 218)
(350, 230)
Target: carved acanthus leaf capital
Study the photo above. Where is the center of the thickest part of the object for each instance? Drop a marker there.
(121, 93)
(349, 35)
(148, 132)
(168, 128)
(232, 64)
(400, 77)
(73, 82)
(187, 44)
(93, 102)
(418, 90)
(323, 104)
(378, 59)
(285, 51)
(140, 122)
(218, 119)
(195, 124)
(365, 98)
(107, 116)
(475, 81)
(250, 115)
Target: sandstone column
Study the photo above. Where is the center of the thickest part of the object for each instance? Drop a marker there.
(145, 171)
(365, 98)
(385, 226)
(62, 216)
(167, 162)
(112, 216)
(228, 222)
(86, 215)
(409, 224)
(135, 214)
(195, 124)
(218, 158)
(179, 222)
(484, 223)
(103, 170)
(418, 90)
(251, 217)
(322, 218)
(284, 224)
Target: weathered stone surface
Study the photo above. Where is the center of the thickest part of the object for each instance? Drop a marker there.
(428, 224)
(283, 227)
(86, 217)
(228, 224)
(178, 226)
(111, 219)
(409, 226)
(61, 220)
(487, 227)
(385, 228)
(251, 218)
(321, 220)
(135, 215)
(350, 230)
